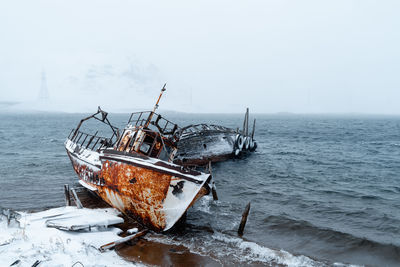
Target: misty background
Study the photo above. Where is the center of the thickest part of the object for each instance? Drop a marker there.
(272, 56)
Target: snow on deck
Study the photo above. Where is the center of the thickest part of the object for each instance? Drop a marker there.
(32, 240)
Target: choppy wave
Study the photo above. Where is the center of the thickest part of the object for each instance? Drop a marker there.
(252, 252)
(323, 187)
(282, 223)
(234, 250)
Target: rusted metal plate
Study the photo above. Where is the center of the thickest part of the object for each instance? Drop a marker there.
(137, 191)
(156, 194)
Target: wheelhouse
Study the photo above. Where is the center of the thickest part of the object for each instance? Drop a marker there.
(153, 138)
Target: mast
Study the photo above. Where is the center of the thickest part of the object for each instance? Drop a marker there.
(155, 107)
(43, 93)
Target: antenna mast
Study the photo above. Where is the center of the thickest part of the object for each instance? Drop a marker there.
(43, 93)
(155, 107)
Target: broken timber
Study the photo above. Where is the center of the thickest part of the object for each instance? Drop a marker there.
(244, 219)
(213, 188)
(67, 195)
(105, 247)
(76, 199)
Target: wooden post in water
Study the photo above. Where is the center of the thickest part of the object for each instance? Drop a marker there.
(247, 121)
(244, 220)
(254, 129)
(244, 124)
(213, 190)
(76, 199)
(67, 195)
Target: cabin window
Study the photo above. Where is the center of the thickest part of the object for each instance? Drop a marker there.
(147, 144)
(145, 148)
(165, 151)
(156, 148)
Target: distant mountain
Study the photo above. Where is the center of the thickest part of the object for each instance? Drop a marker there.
(7, 104)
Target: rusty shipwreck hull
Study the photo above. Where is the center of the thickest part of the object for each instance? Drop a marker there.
(203, 143)
(154, 192)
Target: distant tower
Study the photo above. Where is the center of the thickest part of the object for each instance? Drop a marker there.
(43, 93)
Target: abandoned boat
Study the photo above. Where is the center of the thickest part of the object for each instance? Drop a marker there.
(203, 143)
(134, 172)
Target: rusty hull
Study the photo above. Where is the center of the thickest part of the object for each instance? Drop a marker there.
(138, 192)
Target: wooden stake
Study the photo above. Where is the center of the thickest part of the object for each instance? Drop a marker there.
(247, 121)
(122, 240)
(254, 129)
(67, 196)
(214, 192)
(76, 199)
(244, 220)
(244, 124)
(213, 189)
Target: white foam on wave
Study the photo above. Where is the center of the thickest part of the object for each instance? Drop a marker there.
(251, 251)
(203, 204)
(237, 250)
(338, 264)
(222, 246)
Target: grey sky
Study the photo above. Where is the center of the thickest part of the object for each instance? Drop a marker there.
(216, 56)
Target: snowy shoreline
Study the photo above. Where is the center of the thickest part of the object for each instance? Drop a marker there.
(27, 239)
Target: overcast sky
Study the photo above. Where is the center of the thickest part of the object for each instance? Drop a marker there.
(215, 56)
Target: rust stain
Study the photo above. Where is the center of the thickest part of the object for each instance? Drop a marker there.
(141, 190)
(124, 142)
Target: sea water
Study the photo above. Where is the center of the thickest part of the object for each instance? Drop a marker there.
(324, 189)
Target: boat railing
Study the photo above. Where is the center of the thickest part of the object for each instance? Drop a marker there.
(90, 141)
(159, 123)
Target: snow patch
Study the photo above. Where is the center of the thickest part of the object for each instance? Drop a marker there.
(133, 230)
(32, 240)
